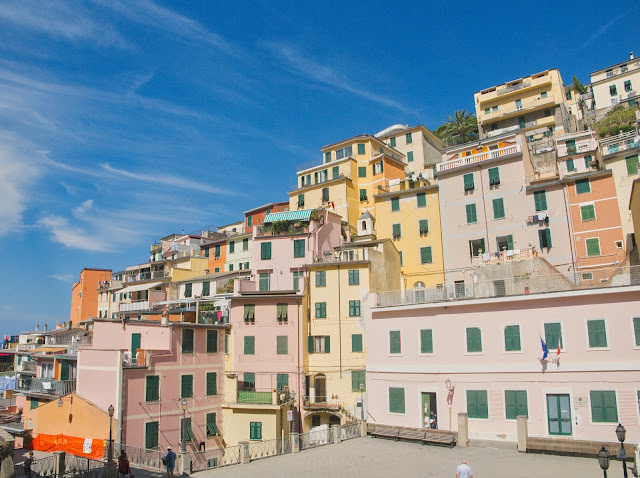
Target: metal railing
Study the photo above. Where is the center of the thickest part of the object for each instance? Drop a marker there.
(352, 430)
(477, 158)
(41, 467)
(620, 142)
(509, 89)
(316, 438)
(263, 449)
(141, 457)
(255, 396)
(47, 386)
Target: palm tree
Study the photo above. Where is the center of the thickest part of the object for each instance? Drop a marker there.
(458, 128)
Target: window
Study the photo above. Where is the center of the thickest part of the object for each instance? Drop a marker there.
(627, 86)
(206, 252)
(568, 95)
(232, 247)
(518, 104)
(249, 345)
(321, 279)
(472, 215)
(553, 335)
(321, 310)
(358, 377)
(512, 338)
(587, 161)
(212, 341)
(487, 111)
(422, 199)
(264, 281)
(249, 381)
(187, 341)
(255, 430)
(426, 341)
(212, 426)
(363, 195)
(186, 386)
(540, 200)
(319, 344)
(152, 392)
(226, 343)
(298, 248)
(504, 243)
(395, 204)
(282, 345)
(515, 402)
(354, 277)
(474, 340)
(282, 313)
(597, 333)
(401, 258)
(423, 227)
(296, 279)
(356, 342)
(593, 246)
(583, 186)
(494, 176)
(547, 113)
(354, 308)
(392, 142)
(327, 157)
(545, 238)
(33, 404)
(188, 289)
(632, 164)
(409, 138)
(570, 165)
(426, 256)
(231, 267)
(604, 408)
(335, 172)
(249, 313)
(362, 171)
(265, 251)
(636, 330)
(396, 400)
(543, 94)
(410, 157)
(216, 250)
(378, 168)
(477, 404)
(469, 185)
(282, 381)
(360, 148)
(588, 212)
(325, 194)
(476, 247)
(613, 90)
(394, 342)
(396, 231)
(498, 208)
(344, 152)
(206, 288)
(494, 109)
(151, 435)
(217, 269)
(212, 383)
(300, 203)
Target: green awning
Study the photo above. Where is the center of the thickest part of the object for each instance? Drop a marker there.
(303, 215)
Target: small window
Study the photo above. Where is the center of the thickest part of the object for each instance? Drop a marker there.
(597, 333)
(300, 204)
(476, 247)
(498, 209)
(587, 276)
(583, 186)
(356, 342)
(421, 199)
(354, 308)
(255, 430)
(613, 90)
(282, 345)
(426, 341)
(512, 338)
(212, 341)
(212, 427)
(618, 245)
(410, 157)
(151, 435)
(477, 404)
(321, 310)
(249, 345)
(187, 341)
(396, 231)
(515, 404)
(363, 195)
(354, 277)
(474, 340)
(249, 313)
(298, 248)
(487, 111)
(588, 212)
(468, 182)
(361, 148)
(362, 171)
(186, 390)
(212, 383)
(188, 287)
(627, 86)
(553, 335)
(321, 279)
(152, 392)
(426, 256)
(359, 381)
(335, 172)
(325, 194)
(472, 215)
(545, 238)
(494, 176)
(632, 164)
(185, 427)
(593, 246)
(282, 381)
(327, 157)
(394, 342)
(636, 330)
(423, 227)
(395, 204)
(265, 251)
(504, 243)
(264, 281)
(392, 142)
(604, 407)
(396, 400)
(282, 313)
(543, 94)
(409, 138)
(232, 247)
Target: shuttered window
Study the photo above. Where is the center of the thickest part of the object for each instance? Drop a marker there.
(327, 157)
(212, 383)
(512, 338)
(396, 231)
(468, 182)
(570, 166)
(356, 342)
(409, 138)
(540, 200)
(597, 333)
(321, 310)
(187, 289)
(394, 342)
(545, 238)
(151, 435)
(362, 171)
(232, 247)
(553, 335)
(604, 408)
(212, 426)
(636, 330)
(477, 404)
(363, 195)
(498, 208)
(335, 172)
(354, 277)
(632, 164)
(255, 431)
(587, 160)
(185, 427)
(300, 202)
(392, 142)
(426, 256)
(583, 186)
(298, 248)
(358, 377)
(249, 381)
(472, 216)
(593, 247)
(588, 212)
(396, 400)
(282, 345)
(321, 279)
(426, 341)
(423, 226)
(474, 339)
(494, 176)
(186, 386)
(395, 204)
(249, 345)
(515, 402)
(187, 341)
(410, 157)
(421, 199)
(354, 308)
(249, 313)
(282, 381)
(206, 288)
(282, 313)
(212, 341)
(360, 148)
(265, 251)
(152, 392)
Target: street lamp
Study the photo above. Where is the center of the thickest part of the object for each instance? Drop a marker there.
(603, 459)
(621, 432)
(110, 410)
(184, 431)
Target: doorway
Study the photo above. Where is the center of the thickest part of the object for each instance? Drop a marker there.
(321, 388)
(559, 414)
(428, 403)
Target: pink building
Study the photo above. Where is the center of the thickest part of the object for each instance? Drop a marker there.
(490, 351)
(145, 369)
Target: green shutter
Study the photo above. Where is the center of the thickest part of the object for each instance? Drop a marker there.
(249, 345)
(282, 381)
(212, 341)
(553, 335)
(212, 426)
(593, 247)
(358, 377)
(469, 184)
(232, 247)
(354, 308)
(395, 204)
(300, 204)
(335, 172)
(362, 171)
(544, 235)
(498, 208)
(249, 312)
(327, 344)
(392, 142)
(477, 404)
(255, 430)
(265, 251)
(354, 277)
(363, 195)
(298, 248)
(321, 310)
(186, 382)
(426, 256)
(186, 433)
(422, 199)
(356, 342)
(212, 383)
(327, 157)
(151, 435)
(510, 242)
(570, 166)
(360, 148)
(512, 338)
(187, 341)
(636, 330)
(409, 138)
(396, 400)
(474, 339)
(588, 212)
(494, 176)
(423, 226)
(249, 381)
(310, 344)
(321, 279)
(282, 345)
(394, 342)
(396, 231)
(597, 333)
(152, 392)
(583, 186)
(426, 341)
(472, 216)
(632, 164)
(410, 157)
(604, 408)
(515, 404)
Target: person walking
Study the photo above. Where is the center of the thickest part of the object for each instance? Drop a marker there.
(433, 420)
(464, 471)
(28, 461)
(123, 465)
(170, 461)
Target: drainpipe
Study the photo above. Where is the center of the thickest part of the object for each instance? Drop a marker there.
(339, 323)
(572, 237)
(120, 394)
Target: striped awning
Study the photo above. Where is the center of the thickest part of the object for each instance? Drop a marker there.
(304, 215)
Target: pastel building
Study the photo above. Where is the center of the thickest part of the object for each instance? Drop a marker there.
(484, 358)
(239, 246)
(84, 295)
(421, 148)
(617, 84)
(255, 216)
(634, 208)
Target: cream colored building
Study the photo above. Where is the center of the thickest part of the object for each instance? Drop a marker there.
(422, 148)
(634, 208)
(239, 246)
(617, 84)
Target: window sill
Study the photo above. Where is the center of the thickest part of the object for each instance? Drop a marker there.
(474, 353)
(513, 352)
(397, 413)
(187, 353)
(479, 419)
(395, 355)
(597, 349)
(431, 354)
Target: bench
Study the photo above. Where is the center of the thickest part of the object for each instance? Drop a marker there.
(570, 447)
(411, 434)
(385, 432)
(441, 438)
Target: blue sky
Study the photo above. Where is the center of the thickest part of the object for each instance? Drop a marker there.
(125, 120)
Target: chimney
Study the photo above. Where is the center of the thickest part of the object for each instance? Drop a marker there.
(37, 327)
(630, 55)
(206, 272)
(45, 327)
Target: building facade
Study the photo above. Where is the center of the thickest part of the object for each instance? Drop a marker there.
(84, 295)
(617, 84)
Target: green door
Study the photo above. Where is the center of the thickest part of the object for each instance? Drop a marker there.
(559, 414)
(135, 345)
(426, 409)
(64, 370)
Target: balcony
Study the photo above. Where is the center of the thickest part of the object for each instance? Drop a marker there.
(264, 396)
(139, 360)
(239, 231)
(135, 306)
(478, 158)
(621, 142)
(511, 109)
(514, 88)
(582, 145)
(329, 257)
(46, 387)
(278, 229)
(508, 256)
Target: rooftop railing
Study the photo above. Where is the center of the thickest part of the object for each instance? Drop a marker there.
(620, 142)
(46, 386)
(477, 158)
(275, 229)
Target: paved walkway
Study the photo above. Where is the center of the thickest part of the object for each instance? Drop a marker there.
(370, 457)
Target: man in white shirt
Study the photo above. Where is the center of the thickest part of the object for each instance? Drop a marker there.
(464, 471)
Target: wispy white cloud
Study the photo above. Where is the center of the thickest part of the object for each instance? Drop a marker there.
(606, 27)
(301, 65)
(62, 277)
(82, 209)
(74, 236)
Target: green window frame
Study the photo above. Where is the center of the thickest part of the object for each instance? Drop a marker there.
(187, 341)
(358, 377)
(613, 90)
(401, 258)
(570, 165)
(363, 195)
(212, 425)
(282, 345)
(361, 148)
(265, 251)
(249, 313)
(205, 252)
(409, 156)
(545, 238)
(226, 343)
(356, 342)
(298, 248)
(395, 204)
(249, 345)
(206, 288)
(553, 335)
(396, 231)
(494, 176)
(421, 199)
(588, 212)
(264, 281)
(409, 138)
(212, 383)
(232, 247)
(472, 215)
(297, 275)
(249, 221)
(477, 404)
(186, 386)
(282, 312)
(152, 388)
(362, 171)
(396, 400)
(632, 164)
(321, 310)
(512, 338)
(474, 340)
(583, 186)
(395, 344)
(212, 341)
(216, 250)
(515, 403)
(627, 86)
(188, 289)
(498, 208)
(354, 308)
(593, 246)
(597, 331)
(255, 430)
(426, 341)
(469, 184)
(282, 381)
(423, 227)
(604, 407)
(426, 255)
(392, 142)
(249, 381)
(543, 94)
(327, 157)
(151, 432)
(321, 279)
(300, 204)
(335, 172)
(185, 426)
(354, 277)
(518, 104)
(636, 330)
(325, 194)
(587, 160)
(231, 267)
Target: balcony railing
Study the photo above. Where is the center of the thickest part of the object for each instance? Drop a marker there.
(140, 359)
(509, 89)
(275, 229)
(264, 396)
(478, 158)
(525, 106)
(137, 305)
(620, 142)
(581, 146)
(349, 255)
(47, 386)
(238, 232)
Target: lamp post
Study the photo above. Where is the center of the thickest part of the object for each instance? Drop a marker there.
(603, 459)
(183, 445)
(450, 388)
(110, 410)
(293, 411)
(621, 432)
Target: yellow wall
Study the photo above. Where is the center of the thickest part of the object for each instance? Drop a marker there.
(237, 423)
(194, 267)
(634, 206)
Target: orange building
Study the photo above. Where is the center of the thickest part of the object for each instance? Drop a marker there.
(84, 295)
(216, 251)
(256, 216)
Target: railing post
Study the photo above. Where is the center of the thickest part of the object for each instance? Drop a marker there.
(245, 456)
(363, 428)
(522, 433)
(58, 463)
(336, 433)
(295, 442)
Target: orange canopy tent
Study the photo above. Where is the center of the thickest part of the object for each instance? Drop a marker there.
(67, 444)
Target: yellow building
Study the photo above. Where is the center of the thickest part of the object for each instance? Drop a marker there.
(348, 177)
(634, 207)
(409, 214)
(421, 148)
(535, 104)
(340, 287)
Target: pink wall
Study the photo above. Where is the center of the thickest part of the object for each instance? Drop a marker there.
(95, 369)
(581, 369)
